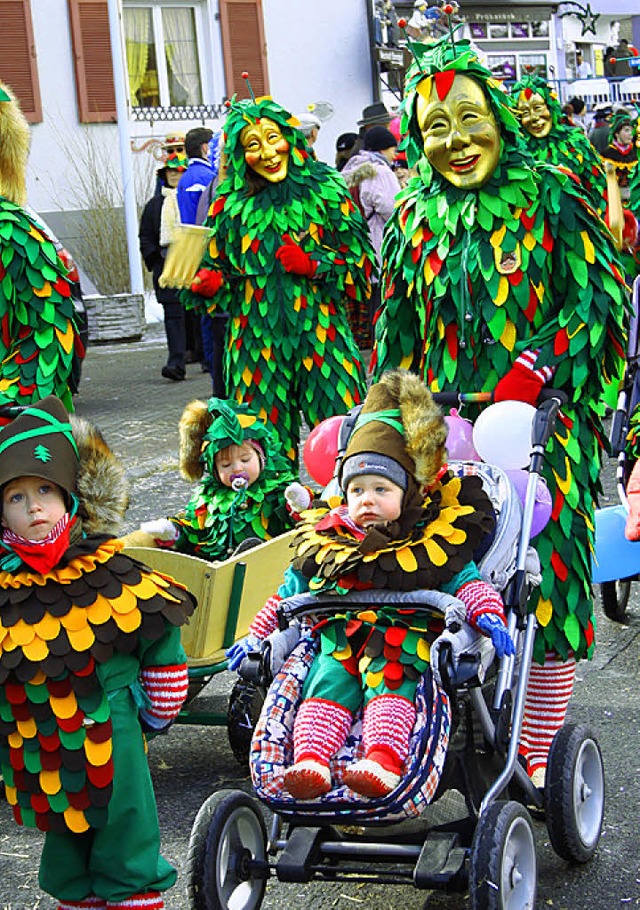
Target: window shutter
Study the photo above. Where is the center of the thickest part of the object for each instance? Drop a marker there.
(92, 58)
(18, 67)
(244, 46)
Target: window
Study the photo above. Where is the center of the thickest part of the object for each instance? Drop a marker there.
(91, 40)
(162, 55)
(18, 59)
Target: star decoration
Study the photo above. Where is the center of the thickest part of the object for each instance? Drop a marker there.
(585, 14)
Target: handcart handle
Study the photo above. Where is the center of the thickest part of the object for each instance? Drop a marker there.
(448, 399)
(12, 410)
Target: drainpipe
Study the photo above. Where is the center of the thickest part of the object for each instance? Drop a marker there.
(122, 113)
(375, 73)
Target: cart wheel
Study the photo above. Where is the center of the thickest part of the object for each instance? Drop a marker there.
(228, 833)
(574, 793)
(245, 705)
(615, 598)
(503, 873)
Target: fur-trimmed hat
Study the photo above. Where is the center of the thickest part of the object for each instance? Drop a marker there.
(45, 441)
(400, 434)
(15, 138)
(208, 427)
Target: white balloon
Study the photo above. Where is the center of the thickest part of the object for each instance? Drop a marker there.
(502, 434)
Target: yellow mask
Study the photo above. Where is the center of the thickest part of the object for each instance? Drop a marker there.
(266, 151)
(535, 116)
(460, 132)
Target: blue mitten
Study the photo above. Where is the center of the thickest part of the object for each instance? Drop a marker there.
(239, 650)
(492, 626)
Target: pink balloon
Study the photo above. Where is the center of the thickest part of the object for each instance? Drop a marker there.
(543, 504)
(460, 438)
(321, 450)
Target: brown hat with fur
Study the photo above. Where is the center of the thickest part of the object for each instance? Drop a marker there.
(400, 434)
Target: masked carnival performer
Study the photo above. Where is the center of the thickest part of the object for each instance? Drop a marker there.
(498, 276)
(552, 142)
(40, 349)
(289, 253)
(90, 656)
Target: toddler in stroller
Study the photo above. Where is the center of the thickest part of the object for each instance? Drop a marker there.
(409, 524)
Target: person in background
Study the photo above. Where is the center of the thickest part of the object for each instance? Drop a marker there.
(621, 149)
(203, 152)
(599, 132)
(374, 185)
(584, 70)
(157, 224)
(345, 144)
(309, 127)
(619, 59)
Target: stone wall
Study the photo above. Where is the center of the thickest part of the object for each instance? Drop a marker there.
(116, 318)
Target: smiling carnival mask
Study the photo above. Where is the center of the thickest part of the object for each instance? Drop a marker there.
(460, 132)
(266, 150)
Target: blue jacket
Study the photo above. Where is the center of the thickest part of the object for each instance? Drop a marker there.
(193, 183)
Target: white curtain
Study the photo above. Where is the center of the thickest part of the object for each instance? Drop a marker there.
(137, 30)
(181, 50)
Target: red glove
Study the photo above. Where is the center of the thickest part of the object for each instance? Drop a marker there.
(523, 382)
(629, 230)
(207, 282)
(294, 259)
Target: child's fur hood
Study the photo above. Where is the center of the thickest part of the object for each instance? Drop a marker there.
(101, 483)
(15, 138)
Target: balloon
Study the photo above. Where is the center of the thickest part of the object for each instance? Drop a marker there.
(543, 504)
(460, 438)
(502, 434)
(321, 450)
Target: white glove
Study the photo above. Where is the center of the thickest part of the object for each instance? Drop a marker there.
(465, 640)
(282, 644)
(297, 497)
(161, 529)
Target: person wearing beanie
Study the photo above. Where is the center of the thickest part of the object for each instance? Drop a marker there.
(90, 658)
(158, 222)
(486, 261)
(241, 482)
(373, 183)
(405, 523)
(40, 348)
(345, 145)
(309, 126)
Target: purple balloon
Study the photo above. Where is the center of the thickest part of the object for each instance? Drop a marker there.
(460, 438)
(543, 504)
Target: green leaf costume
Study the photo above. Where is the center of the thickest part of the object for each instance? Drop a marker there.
(289, 346)
(473, 277)
(565, 146)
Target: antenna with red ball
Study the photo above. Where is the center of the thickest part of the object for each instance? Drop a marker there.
(245, 76)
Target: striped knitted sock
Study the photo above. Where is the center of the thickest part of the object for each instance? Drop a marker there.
(387, 725)
(548, 694)
(90, 903)
(150, 900)
(167, 689)
(320, 730)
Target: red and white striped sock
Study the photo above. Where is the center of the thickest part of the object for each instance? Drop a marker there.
(387, 725)
(320, 730)
(548, 694)
(88, 903)
(151, 900)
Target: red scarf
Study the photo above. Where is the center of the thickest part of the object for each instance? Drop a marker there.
(41, 555)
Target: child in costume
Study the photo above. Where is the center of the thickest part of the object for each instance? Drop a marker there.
(622, 150)
(40, 349)
(499, 276)
(288, 255)
(406, 523)
(90, 654)
(242, 482)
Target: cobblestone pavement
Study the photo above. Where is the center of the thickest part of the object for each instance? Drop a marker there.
(138, 412)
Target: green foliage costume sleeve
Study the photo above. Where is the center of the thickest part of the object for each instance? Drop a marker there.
(39, 339)
(474, 277)
(289, 346)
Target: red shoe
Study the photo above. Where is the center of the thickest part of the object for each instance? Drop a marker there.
(376, 775)
(307, 779)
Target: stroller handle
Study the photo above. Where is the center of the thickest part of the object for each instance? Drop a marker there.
(449, 399)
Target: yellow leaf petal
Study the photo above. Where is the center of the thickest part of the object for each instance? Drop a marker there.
(544, 611)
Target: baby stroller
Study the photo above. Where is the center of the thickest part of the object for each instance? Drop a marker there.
(617, 560)
(459, 817)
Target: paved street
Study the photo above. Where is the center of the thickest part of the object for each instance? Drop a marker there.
(138, 412)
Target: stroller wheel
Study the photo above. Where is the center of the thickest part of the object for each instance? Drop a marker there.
(504, 868)
(615, 598)
(227, 835)
(574, 793)
(245, 704)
